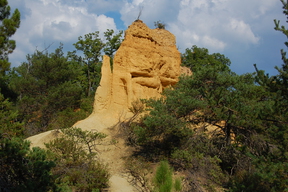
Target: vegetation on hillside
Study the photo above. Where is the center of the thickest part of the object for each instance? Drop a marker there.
(218, 129)
(75, 155)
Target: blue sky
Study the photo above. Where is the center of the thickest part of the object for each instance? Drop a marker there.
(242, 30)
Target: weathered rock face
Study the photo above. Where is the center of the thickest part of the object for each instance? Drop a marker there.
(146, 63)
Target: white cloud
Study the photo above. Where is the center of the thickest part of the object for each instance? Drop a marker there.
(213, 43)
(225, 26)
(217, 24)
(101, 6)
(241, 30)
(50, 21)
(103, 23)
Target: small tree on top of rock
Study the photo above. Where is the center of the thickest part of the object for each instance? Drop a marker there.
(159, 24)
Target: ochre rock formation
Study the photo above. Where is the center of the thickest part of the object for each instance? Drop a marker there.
(146, 63)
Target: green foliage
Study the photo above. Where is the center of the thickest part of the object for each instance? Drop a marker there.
(92, 47)
(199, 157)
(213, 122)
(160, 131)
(278, 85)
(266, 176)
(45, 84)
(283, 71)
(273, 160)
(75, 166)
(9, 118)
(22, 169)
(159, 24)
(163, 179)
(235, 105)
(8, 28)
(88, 138)
(68, 116)
(178, 184)
(113, 42)
(198, 58)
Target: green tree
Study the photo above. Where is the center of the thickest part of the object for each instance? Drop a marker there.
(23, 169)
(279, 84)
(159, 24)
(9, 118)
(284, 71)
(234, 123)
(249, 115)
(163, 177)
(272, 163)
(46, 84)
(195, 58)
(92, 48)
(113, 42)
(8, 27)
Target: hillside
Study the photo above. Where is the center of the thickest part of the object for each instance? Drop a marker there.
(142, 118)
(145, 64)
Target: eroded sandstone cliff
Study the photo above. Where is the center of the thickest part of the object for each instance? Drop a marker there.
(146, 63)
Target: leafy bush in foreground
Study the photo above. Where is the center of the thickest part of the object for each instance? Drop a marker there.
(75, 156)
(22, 169)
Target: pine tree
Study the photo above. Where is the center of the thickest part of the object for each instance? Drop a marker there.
(23, 169)
(277, 88)
(46, 84)
(8, 27)
(9, 118)
(280, 85)
(283, 29)
(246, 132)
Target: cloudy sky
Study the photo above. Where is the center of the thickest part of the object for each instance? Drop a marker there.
(242, 30)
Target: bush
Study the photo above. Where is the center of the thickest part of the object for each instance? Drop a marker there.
(75, 156)
(22, 169)
(163, 179)
(159, 24)
(140, 171)
(68, 116)
(160, 131)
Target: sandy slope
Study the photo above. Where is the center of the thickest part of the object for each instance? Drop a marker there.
(111, 151)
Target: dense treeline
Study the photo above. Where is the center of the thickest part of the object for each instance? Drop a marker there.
(221, 129)
(50, 91)
(54, 90)
(219, 126)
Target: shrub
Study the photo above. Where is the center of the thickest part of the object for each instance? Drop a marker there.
(22, 169)
(159, 24)
(140, 171)
(75, 156)
(163, 179)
